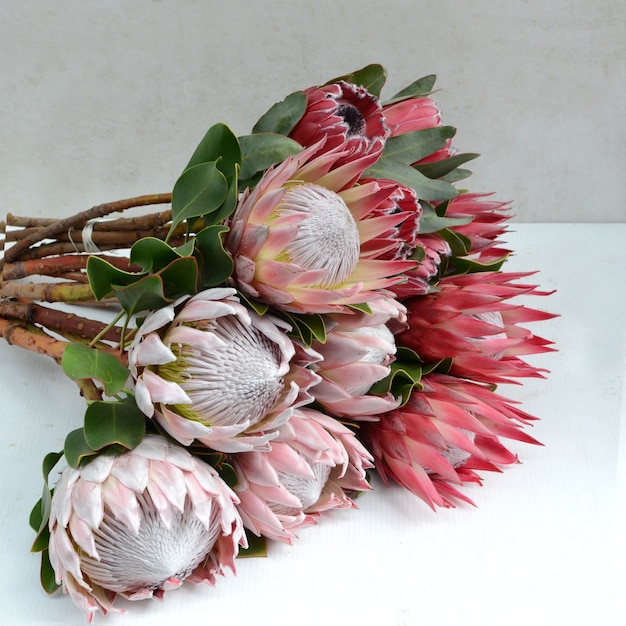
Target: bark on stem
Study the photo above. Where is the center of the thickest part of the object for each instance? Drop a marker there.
(49, 292)
(80, 219)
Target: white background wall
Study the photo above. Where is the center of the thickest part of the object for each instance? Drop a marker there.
(104, 100)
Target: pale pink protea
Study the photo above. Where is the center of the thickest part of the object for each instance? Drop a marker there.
(471, 321)
(212, 370)
(296, 239)
(415, 114)
(433, 444)
(345, 116)
(357, 353)
(312, 467)
(140, 524)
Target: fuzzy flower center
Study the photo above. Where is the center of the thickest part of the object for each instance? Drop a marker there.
(238, 381)
(328, 238)
(147, 560)
(307, 490)
(353, 118)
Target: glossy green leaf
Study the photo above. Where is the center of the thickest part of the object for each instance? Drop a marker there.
(218, 144)
(425, 188)
(103, 277)
(257, 547)
(404, 377)
(263, 150)
(76, 448)
(307, 327)
(228, 474)
(437, 169)
(418, 88)
(461, 265)
(412, 147)
(200, 190)
(179, 278)
(364, 307)
(430, 222)
(229, 204)
(260, 308)
(79, 361)
(152, 254)
(371, 77)
(283, 116)
(216, 263)
(108, 423)
(459, 244)
(47, 575)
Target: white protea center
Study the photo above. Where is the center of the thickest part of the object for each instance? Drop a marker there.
(307, 489)
(238, 380)
(154, 557)
(328, 239)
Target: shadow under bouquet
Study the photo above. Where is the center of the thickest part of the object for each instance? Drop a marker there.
(322, 300)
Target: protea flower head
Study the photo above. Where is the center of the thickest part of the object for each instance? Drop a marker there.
(212, 370)
(357, 353)
(140, 524)
(345, 116)
(433, 444)
(312, 467)
(415, 114)
(470, 320)
(296, 239)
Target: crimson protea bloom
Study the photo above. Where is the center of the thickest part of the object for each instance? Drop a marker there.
(296, 239)
(140, 524)
(357, 353)
(312, 467)
(209, 369)
(471, 321)
(345, 116)
(433, 444)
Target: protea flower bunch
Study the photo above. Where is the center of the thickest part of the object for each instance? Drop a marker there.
(324, 304)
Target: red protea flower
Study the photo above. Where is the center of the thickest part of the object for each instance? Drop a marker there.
(312, 467)
(414, 114)
(301, 239)
(470, 321)
(433, 444)
(346, 116)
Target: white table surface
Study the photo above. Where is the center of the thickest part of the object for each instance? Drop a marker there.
(545, 545)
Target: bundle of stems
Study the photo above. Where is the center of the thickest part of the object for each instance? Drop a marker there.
(43, 270)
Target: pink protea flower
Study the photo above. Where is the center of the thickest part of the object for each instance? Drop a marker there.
(212, 370)
(296, 239)
(470, 320)
(140, 524)
(433, 444)
(410, 115)
(312, 467)
(356, 354)
(488, 218)
(345, 116)
(414, 114)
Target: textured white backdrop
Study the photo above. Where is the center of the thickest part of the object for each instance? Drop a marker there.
(104, 100)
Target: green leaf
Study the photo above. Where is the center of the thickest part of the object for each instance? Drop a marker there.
(456, 175)
(257, 547)
(459, 265)
(260, 308)
(109, 423)
(459, 244)
(430, 222)
(179, 278)
(263, 150)
(228, 474)
(229, 205)
(76, 449)
(283, 116)
(79, 361)
(371, 77)
(307, 327)
(438, 169)
(145, 294)
(218, 144)
(405, 375)
(412, 147)
(47, 575)
(200, 190)
(364, 307)
(40, 513)
(103, 277)
(425, 188)
(152, 254)
(216, 264)
(418, 88)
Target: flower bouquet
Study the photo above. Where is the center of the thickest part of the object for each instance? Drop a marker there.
(321, 301)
